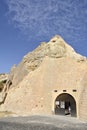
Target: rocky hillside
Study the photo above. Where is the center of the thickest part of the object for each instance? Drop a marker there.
(42, 75)
(3, 79)
(55, 48)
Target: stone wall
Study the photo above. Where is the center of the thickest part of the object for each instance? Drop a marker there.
(83, 99)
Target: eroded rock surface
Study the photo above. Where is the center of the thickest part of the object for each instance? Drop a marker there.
(55, 48)
(51, 66)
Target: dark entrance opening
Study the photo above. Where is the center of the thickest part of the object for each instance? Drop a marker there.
(65, 104)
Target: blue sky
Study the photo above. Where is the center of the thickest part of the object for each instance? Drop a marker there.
(25, 23)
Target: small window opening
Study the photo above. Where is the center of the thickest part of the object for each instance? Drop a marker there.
(74, 90)
(64, 90)
(55, 90)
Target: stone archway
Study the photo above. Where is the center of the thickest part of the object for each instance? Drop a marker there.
(65, 104)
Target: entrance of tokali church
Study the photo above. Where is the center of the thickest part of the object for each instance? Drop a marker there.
(65, 104)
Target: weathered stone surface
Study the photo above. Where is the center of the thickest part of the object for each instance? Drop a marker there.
(55, 48)
(83, 99)
(3, 80)
(52, 66)
(3, 77)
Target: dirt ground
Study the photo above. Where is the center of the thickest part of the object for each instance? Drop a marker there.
(42, 123)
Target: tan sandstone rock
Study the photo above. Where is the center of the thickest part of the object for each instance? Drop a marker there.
(51, 66)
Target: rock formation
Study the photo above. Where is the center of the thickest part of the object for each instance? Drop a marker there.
(51, 66)
(3, 80)
(55, 48)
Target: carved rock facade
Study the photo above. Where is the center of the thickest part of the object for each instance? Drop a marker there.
(53, 74)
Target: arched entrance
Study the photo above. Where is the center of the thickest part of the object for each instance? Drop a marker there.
(65, 104)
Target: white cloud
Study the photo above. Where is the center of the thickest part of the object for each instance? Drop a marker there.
(44, 17)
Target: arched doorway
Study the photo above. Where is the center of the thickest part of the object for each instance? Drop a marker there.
(65, 104)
